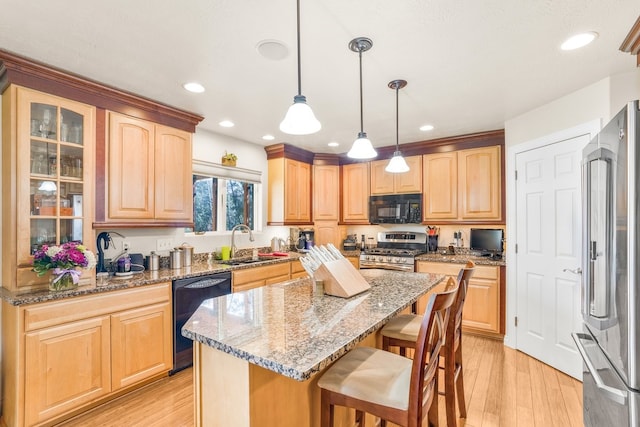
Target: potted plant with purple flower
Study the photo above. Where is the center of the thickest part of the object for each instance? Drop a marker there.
(63, 262)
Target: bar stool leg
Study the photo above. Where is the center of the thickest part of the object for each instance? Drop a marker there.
(360, 418)
(326, 411)
(460, 382)
(449, 387)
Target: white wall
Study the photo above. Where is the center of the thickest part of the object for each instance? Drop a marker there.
(600, 100)
(598, 103)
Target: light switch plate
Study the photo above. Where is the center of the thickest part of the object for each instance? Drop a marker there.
(164, 245)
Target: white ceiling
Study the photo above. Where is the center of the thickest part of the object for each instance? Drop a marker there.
(470, 64)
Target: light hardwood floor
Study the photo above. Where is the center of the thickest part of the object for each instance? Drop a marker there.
(503, 387)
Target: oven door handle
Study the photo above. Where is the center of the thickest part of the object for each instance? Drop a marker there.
(612, 393)
(207, 283)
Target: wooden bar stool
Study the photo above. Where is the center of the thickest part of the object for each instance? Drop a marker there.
(402, 332)
(387, 385)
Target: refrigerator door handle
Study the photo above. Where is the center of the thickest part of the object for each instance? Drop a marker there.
(612, 393)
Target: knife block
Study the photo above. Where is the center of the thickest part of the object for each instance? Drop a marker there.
(341, 279)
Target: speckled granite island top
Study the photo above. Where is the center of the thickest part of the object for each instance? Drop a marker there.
(287, 329)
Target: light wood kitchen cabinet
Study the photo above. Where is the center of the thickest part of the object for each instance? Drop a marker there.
(355, 193)
(481, 312)
(383, 182)
(67, 366)
(47, 180)
(328, 232)
(289, 189)
(68, 354)
(256, 277)
(326, 193)
(355, 261)
(440, 172)
(141, 343)
(463, 185)
(479, 174)
(149, 172)
(297, 270)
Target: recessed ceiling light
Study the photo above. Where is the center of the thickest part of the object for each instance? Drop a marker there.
(268, 137)
(426, 128)
(274, 50)
(193, 87)
(227, 124)
(333, 144)
(579, 40)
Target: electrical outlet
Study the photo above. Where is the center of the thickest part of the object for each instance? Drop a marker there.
(164, 245)
(125, 245)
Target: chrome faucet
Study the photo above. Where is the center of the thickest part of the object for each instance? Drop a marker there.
(233, 232)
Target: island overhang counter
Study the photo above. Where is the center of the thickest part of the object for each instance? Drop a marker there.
(257, 352)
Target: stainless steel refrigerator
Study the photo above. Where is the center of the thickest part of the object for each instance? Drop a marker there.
(609, 342)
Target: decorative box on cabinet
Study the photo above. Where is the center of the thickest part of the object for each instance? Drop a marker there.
(355, 193)
(72, 353)
(149, 179)
(482, 308)
(47, 180)
(383, 182)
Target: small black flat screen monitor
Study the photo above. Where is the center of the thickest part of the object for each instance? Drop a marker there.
(487, 241)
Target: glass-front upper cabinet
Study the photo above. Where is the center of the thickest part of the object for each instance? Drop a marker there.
(55, 172)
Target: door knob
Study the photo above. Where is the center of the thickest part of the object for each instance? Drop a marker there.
(574, 271)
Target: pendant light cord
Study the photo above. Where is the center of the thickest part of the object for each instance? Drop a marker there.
(361, 114)
(298, 41)
(397, 125)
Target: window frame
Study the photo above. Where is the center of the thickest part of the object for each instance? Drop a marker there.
(223, 174)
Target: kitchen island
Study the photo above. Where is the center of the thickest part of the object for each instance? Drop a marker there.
(257, 353)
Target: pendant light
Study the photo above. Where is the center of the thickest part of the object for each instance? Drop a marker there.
(299, 119)
(397, 164)
(362, 148)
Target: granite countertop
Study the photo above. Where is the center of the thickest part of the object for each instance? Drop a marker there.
(199, 268)
(461, 258)
(288, 329)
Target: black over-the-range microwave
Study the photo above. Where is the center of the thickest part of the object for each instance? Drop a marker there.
(396, 209)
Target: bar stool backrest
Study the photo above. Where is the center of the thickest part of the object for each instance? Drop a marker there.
(423, 385)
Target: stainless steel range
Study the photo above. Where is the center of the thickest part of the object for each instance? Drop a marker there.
(396, 250)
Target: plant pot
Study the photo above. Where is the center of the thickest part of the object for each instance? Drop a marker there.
(228, 162)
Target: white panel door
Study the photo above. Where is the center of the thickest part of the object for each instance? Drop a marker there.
(548, 227)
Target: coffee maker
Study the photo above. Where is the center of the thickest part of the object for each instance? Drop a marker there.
(303, 238)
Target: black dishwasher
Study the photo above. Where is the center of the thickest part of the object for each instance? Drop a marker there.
(188, 294)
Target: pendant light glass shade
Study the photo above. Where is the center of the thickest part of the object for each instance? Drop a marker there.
(362, 147)
(299, 119)
(397, 164)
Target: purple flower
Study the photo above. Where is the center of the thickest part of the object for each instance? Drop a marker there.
(66, 256)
